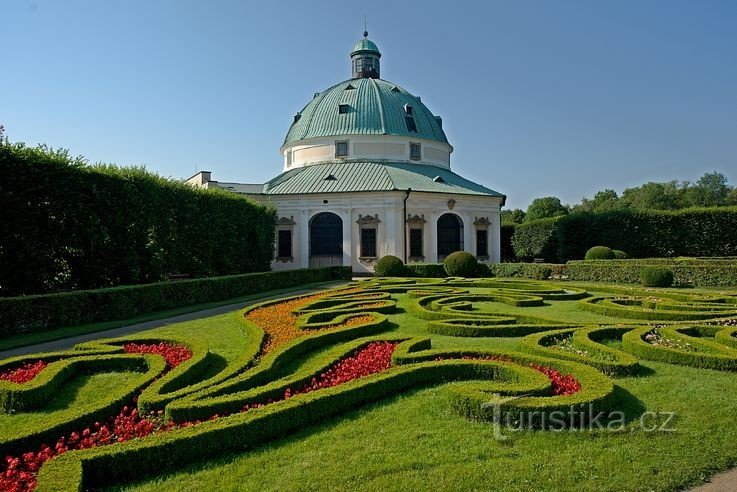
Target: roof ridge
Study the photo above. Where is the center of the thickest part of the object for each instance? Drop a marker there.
(377, 93)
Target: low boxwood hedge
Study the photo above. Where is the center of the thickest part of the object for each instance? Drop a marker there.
(45, 312)
(608, 360)
(97, 467)
(703, 353)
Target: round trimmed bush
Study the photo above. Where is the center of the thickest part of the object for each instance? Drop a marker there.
(461, 264)
(390, 266)
(619, 254)
(656, 277)
(599, 253)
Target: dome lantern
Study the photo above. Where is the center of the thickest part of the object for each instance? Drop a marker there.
(365, 59)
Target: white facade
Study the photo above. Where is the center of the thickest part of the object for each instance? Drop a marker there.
(392, 231)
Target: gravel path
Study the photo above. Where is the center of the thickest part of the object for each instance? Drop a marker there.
(67, 343)
(721, 482)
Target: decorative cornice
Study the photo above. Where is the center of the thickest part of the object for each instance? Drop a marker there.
(368, 220)
(416, 219)
(283, 221)
(482, 221)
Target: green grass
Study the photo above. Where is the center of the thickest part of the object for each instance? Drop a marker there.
(416, 442)
(82, 390)
(71, 331)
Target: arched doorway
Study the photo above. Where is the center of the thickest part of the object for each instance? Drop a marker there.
(326, 240)
(450, 235)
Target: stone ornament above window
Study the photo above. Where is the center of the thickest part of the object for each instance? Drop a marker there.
(451, 204)
(416, 219)
(482, 222)
(368, 220)
(283, 221)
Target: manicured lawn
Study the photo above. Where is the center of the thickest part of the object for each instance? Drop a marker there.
(415, 438)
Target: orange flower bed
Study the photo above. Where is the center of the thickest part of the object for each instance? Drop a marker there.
(280, 324)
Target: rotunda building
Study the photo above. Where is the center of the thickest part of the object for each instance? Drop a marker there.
(366, 173)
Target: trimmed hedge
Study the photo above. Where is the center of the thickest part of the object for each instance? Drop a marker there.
(427, 270)
(656, 277)
(537, 239)
(69, 225)
(46, 312)
(610, 361)
(44, 388)
(686, 272)
(706, 232)
(461, 264)
(600, 253)
(389, 266)
(507, 250)
(706, 354)
(97, 467)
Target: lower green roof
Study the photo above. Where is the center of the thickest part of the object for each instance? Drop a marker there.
(347, 177)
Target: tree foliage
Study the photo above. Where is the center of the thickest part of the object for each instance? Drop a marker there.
(710, 190)
(545, 208)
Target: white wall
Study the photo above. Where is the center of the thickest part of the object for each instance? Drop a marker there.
(369, 147)
(391, 229)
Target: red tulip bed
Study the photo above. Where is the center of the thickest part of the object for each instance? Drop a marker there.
(173, 354)
(18, 473)
(561, 384)
(24, 373)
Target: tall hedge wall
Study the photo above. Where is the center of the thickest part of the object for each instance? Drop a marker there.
(642, 234)
(68, 225)
(507, 250)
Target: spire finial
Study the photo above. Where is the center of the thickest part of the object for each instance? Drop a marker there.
(365, 26)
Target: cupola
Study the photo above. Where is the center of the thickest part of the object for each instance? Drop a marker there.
(365, 59)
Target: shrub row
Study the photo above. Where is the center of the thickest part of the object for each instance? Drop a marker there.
(643, 309)
(69, 225)
(642, 234)
(45, 312)
(697, 273)
(687, 272)
(487, 327)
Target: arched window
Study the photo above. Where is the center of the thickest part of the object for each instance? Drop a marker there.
(450, 235)
(326, 235)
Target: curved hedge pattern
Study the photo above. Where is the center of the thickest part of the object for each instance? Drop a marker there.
(253, 400)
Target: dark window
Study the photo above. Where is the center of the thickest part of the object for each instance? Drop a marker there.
(326, 235)
(342, 108)
(415, 151)
(368, 243)
(482, 242)
(285, 244)
(408, 109)
(341, 149)
(450, 231)
(415, 243)
(411, 126)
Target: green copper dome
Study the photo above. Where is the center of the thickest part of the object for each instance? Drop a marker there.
(366, 45)
(365, 106)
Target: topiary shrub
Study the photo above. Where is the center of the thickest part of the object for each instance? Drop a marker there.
(656, 277)
(600, 253)
(461, 264)
(390, 266)
(619, 254)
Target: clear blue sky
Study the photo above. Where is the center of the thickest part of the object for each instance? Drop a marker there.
(538, 97)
